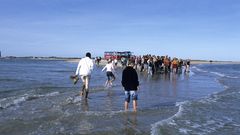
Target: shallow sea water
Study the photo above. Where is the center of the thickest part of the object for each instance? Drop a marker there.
(37, 97)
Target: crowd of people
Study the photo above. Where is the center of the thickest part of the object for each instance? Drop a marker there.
(149, 64)
(156, 64)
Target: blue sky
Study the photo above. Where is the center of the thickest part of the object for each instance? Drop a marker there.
(195, 29)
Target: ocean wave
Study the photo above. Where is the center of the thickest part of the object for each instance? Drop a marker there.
(226, 87)
(215, 73)
(52, 94)
(218, 74)
(191, 117)
(170, 120)
(199, 70)
(183, 109)
(232, 77)
(72, 100)
(210, 99)
(223, 75)
(14, 101)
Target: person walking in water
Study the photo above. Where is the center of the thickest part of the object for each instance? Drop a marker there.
(187, 66)
(84, 69)
(130, 84)
(109, 72)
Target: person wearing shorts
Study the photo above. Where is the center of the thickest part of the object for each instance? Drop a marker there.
(109, 72)
(130, 84)
(84, 69)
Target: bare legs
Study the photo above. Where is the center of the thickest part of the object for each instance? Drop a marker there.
(109, 82)
(134, 105)
(84, 91)
(126, 105)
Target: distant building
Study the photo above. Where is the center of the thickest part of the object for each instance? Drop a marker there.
(117, 55)
(0, 54)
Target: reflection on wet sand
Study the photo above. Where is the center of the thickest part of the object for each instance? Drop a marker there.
(131, 123)
(84, 105)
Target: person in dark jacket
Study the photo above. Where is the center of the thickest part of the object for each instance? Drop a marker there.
(130, 84)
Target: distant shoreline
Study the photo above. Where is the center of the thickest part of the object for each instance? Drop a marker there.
(213, 62)
(104, 62)
(194, 62)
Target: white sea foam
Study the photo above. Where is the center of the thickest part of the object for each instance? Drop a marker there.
(3, 99)
(226, 87)
(232, 77)
(205, 127)
(184, 131)
(210, 98)
(52, 94)
(200, 70)
(170, 120)
(223, 75)
(212, 125)
(74, 99)
(77, 99)
(195, 125)
(19, 100)
(13, 101)
(218, 74)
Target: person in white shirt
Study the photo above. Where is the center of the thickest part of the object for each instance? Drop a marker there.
(109, 72)
(84, 69)
(115, 62)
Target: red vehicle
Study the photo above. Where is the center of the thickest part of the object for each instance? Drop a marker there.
(117, 55)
